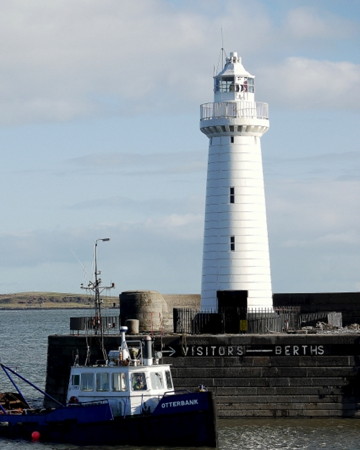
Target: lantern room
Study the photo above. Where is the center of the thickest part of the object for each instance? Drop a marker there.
(234, 82)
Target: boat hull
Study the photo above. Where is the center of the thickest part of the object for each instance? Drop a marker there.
(175, 424)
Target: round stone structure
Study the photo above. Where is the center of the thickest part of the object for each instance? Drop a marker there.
(148, 307)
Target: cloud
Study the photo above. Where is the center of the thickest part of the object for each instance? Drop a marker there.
(187, 226)
(318, 206)
(35, 247)
(131, 164)
(153, 207)
(88, 59)
(344, 165)
(302, 83)
(340, 240)
(137, 257)
(143, 68)
(313, 235)
(82, 58)
(309, 23)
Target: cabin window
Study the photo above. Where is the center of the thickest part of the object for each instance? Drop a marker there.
(169, 383)
(87, 382)
(75, 380)
(119, 382)
(138, 381)
(232, 194)
(102, 382)
(157, 381)
(232, 243)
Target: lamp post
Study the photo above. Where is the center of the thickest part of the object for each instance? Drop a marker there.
(97, 283)
(96, 287)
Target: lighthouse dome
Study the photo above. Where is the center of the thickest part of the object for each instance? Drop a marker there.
(233, 66)
(234, 82)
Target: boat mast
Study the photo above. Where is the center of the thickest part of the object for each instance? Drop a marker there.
(97, 282)
(96, 287)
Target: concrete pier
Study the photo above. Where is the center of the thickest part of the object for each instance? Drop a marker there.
(280, 375)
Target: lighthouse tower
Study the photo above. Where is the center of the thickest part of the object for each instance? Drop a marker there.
(236, 250)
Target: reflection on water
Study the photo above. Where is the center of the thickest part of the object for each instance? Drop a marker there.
(268, 434)
(249, 434)
(23, 344)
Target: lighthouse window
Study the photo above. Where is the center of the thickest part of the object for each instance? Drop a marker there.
(87, 382)
(232, 243)
(232, 195)
(226, 84)
(247, 85)
(119, 382)
(232, 139)
(102, 382)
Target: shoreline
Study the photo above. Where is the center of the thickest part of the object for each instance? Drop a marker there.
(52, 300)
(37, 308)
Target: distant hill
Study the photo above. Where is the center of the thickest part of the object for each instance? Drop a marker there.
(29, 300)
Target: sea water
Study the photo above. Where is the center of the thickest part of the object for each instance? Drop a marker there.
(23, 345)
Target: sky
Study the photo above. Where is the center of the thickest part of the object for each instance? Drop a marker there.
(99, 137)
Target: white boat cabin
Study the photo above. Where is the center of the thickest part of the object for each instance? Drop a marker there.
(130, 382)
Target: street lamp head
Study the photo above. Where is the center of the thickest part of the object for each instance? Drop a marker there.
(103, 239)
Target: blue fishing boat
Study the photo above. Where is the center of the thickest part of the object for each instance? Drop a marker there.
(129, 399)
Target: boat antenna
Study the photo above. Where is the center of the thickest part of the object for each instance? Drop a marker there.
(81, 264)
(96, 287)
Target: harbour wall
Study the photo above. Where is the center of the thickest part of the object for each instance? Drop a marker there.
(348, 303)
(155, 310)
(282, 375)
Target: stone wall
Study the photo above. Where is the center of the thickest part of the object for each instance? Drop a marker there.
(151, 307)
(348, 303)
(273, 376)
(182, 301)
(251, 375)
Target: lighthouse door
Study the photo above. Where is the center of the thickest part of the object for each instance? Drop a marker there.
(233, 307)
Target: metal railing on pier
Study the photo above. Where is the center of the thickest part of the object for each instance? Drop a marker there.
(236, 320)
(94, 325)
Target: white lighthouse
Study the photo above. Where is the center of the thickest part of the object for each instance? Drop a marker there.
(236, 250)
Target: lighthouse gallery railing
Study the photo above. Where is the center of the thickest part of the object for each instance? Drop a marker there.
(241, 109)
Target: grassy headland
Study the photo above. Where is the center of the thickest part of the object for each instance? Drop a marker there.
(45, 300)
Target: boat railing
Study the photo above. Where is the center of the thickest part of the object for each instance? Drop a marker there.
(133, 356)
(100, 401)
